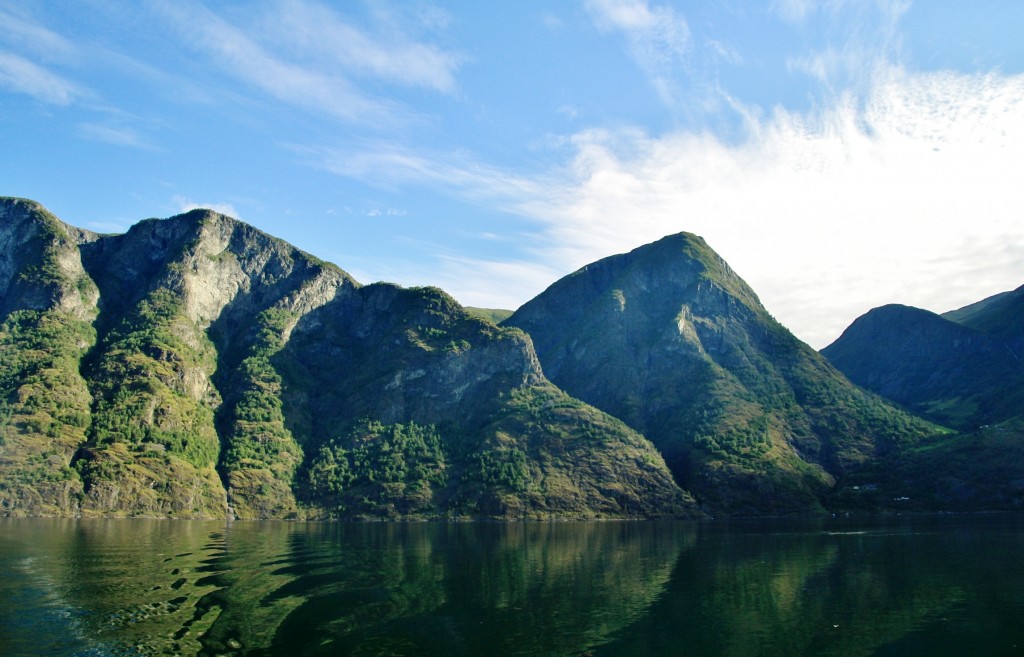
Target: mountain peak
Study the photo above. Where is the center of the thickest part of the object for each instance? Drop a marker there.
(670, 339)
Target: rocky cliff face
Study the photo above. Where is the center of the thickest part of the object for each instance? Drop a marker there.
(671, 340)
(196, 367)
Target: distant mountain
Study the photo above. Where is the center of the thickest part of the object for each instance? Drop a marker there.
(669, 339)
(1001, 316)
(196, 367)
(963, 369)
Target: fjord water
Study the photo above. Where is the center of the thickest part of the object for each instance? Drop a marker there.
(937, 586)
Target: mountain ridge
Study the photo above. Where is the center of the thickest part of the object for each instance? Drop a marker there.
(197, 367)
(201, 389)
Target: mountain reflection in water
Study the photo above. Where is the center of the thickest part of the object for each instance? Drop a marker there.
(141, 587)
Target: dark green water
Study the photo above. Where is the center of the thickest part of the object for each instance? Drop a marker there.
(941, 586)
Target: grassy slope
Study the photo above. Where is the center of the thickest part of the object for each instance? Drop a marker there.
(496, 315)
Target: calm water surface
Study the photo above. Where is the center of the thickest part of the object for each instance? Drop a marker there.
(940, 586)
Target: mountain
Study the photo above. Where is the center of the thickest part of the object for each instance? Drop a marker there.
(669, 339)
(196, 367)
(963, 369)
(1000, 316)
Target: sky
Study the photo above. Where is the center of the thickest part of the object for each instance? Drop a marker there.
(839, 155)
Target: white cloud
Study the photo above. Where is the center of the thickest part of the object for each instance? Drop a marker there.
(312, 31)
(108, 227)
(568, 111)
(22, 76)
(185, 205)
(385, 212)
(493, 284)
(910, 196)
(240, 55)
(551, 21)
(866, 37)
(305, 55)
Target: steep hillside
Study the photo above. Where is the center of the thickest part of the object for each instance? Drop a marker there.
(197, 367)
(963, 373)
(1000, 316)
(47, 306)
(669, 339)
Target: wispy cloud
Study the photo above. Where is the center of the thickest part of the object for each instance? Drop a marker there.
(108, 227)
(493, 283)
(314, 33)
(26, 34)
(895, 186)
(658, 39)
(828, 213)
(236, 52)
(385, 212)
(907, 194)
(863, 37)
(389, 163)
(27, 67)
(305, 55)
(472, 281)
(119, 136)
(22, 76)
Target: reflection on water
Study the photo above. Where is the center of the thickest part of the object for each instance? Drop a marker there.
(119, 587)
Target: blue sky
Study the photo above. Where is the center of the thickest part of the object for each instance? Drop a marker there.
(840, 155)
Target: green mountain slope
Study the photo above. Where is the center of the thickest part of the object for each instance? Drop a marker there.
(669, 339)
(196, 367)
(47, 305)
(1001, 316)
(496, 315)
(963, 373)
(483, 430)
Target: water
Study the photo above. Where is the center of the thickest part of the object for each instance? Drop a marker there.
(940, 586)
